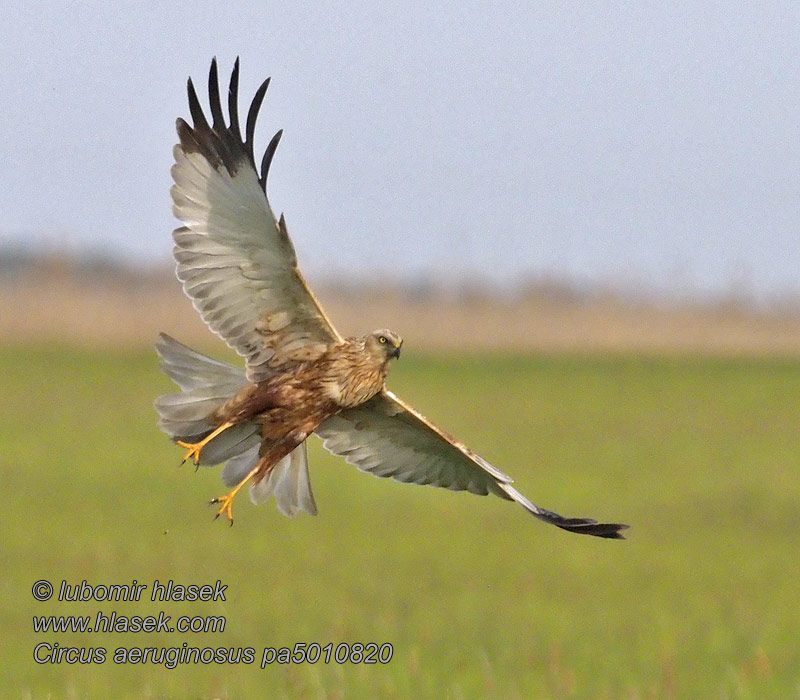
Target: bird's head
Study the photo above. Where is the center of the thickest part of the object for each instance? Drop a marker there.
(384, 344)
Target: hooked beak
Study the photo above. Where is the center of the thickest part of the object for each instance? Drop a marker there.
(396, 351)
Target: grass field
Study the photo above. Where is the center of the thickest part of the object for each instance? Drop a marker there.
(477, 598)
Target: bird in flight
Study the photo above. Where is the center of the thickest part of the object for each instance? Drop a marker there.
(238, 266)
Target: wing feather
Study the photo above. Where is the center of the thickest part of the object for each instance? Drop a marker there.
(388, 438)
(235, 260)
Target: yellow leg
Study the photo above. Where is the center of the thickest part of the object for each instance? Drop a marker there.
(195, 447)
(227, 499)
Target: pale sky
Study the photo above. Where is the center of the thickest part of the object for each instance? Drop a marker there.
(650, 143)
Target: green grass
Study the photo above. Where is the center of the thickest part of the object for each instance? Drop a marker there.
(477, 598)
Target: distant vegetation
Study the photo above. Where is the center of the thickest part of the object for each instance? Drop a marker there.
(96, 301)
(17, 262)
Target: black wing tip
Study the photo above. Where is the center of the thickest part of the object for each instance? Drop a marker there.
(252, 117)
(587, 526)
(266, 161)
(233, 102)
(198, 118)
(582, 526)
(218, 120)
(221, 143)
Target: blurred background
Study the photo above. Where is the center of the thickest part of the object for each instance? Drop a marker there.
(583, 220)
(546, 158)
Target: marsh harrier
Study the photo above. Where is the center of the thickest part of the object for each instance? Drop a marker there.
(238, 266)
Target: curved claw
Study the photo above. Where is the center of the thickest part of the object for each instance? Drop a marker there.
(195, 447)
(227, 499)
(193, 451)
(226, 507)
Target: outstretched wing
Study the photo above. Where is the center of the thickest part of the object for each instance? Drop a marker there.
(388, 438)
(236, 262)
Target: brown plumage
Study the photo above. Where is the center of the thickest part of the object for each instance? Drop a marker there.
(238, 265)
(290, 404)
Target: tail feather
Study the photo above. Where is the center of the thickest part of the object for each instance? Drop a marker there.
(293, 489)
(205, 385)
(189, 407)
(191, 370)
(231, 443)
(288, 481)
(239, 467)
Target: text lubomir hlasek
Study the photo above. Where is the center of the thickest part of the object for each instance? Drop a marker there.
(166, 591)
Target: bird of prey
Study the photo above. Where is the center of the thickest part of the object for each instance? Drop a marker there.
(238, 266)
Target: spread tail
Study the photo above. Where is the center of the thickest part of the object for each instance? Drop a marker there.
(205, 385)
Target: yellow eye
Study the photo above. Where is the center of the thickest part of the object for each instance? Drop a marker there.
(382, 339)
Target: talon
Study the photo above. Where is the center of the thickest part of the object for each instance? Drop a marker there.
(227, 499)
(193, 451)
(193, 448)
(227, 505)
